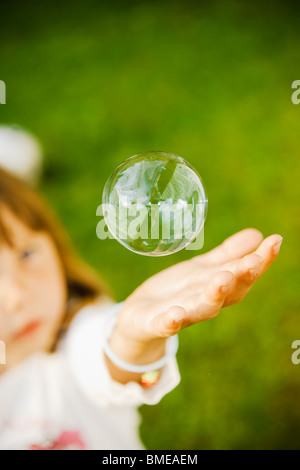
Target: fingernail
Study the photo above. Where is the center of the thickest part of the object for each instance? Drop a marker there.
(276, 247)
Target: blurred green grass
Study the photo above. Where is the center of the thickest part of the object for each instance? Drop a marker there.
(99, 82)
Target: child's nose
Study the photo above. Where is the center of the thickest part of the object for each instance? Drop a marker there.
(11, 296)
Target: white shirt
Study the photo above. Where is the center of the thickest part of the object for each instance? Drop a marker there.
(68, 400)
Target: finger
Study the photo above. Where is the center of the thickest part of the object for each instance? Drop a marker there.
(246, 273)
(169, 322)
(248, 270)
(251, 267)
(269, 250)
(236, 246)
(208, 304)
(196, 308)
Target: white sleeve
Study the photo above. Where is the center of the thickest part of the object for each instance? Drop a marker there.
(83, 348)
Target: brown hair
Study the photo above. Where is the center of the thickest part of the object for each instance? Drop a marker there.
(83, 283)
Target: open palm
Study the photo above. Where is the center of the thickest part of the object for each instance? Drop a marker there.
(195, 290)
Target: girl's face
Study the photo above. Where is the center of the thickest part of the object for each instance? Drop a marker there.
(33, 292)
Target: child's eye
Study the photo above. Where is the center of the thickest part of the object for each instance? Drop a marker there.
(26, 254)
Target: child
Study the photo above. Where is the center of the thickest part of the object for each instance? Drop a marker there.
(77, 363)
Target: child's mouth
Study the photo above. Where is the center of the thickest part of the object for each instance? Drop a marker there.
(27, 330)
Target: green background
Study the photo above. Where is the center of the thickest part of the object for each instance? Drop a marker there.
(98, 82)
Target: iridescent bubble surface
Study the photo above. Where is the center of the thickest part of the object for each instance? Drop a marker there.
(154, 203)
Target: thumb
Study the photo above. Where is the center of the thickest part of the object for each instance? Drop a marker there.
(169, 323)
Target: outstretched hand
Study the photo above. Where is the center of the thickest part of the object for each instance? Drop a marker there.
(190, 292)
(195, 290)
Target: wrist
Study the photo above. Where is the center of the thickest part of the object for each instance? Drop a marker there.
(129, 358)
(135, 351)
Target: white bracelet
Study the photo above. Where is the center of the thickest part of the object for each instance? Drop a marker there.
(172, 344)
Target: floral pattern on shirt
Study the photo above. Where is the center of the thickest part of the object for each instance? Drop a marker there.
(67, 440)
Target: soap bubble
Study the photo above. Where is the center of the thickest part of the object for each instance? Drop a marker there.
(154, 203)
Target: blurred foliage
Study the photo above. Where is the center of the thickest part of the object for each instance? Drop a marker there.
(98, 82)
